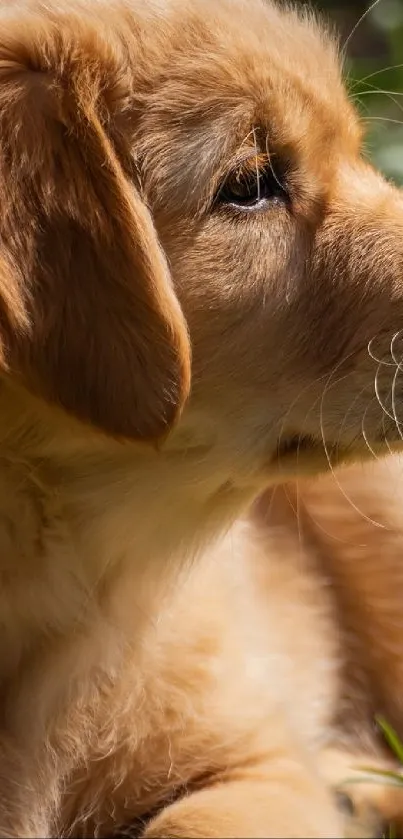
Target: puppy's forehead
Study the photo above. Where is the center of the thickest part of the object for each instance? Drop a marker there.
(233, 67)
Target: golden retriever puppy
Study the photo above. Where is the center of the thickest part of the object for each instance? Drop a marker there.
(201, 292)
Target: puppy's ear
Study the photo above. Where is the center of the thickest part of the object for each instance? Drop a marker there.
(88, 315)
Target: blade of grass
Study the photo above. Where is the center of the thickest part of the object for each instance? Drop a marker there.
(391, 738)
(375, 777)
(384, 774)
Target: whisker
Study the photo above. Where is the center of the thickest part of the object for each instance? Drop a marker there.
(359, 22)
(392, 347)
(323, 530)
(364, 434)
(379, 361)
(379, 398)
(298, 513)
(349, 410)
(289, 499)
(377, 73)
(251, 133)
(389, 94)
(272, 497)
(257, 165)
(378, 90)
(394, 382)
(308, 387)
(351, 406)
(382, 363)
(385, 437)
(376, 523)
(397, 422)
(328, 458)
(384, 119)
(365, 438)
(269, 160)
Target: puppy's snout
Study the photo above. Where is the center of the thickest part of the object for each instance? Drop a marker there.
(356, 293)
(352, 303)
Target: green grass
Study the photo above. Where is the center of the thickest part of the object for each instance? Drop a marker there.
(383, 776)
(394, 778)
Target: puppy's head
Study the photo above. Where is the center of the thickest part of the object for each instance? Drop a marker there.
(174, 168)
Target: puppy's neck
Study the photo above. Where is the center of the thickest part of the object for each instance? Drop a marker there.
(90, 527)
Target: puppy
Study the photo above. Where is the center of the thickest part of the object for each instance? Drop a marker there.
(200, 282)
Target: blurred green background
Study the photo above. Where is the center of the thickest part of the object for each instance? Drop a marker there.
(374, 70)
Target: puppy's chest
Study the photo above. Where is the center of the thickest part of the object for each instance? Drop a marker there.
(253, 630)
(42, 586)
(247, 638)
(295, 650)
(303, 642)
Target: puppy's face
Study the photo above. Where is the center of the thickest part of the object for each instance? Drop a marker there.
(184, 186)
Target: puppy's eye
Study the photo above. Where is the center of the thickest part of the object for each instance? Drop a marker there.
(252, 189)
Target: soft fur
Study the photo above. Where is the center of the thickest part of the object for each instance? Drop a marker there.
(161, 351)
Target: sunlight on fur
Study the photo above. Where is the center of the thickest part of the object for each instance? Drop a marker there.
(201, 307)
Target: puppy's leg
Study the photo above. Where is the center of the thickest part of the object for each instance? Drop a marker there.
(282, 800)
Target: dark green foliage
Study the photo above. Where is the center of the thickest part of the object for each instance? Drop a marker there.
(374, 70)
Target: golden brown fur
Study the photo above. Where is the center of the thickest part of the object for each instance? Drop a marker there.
(161, 349)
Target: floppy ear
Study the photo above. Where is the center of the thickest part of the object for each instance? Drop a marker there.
(88, 315)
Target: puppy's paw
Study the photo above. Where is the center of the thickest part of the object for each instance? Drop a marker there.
(372, 807)
(258, 810)
(362, 818)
